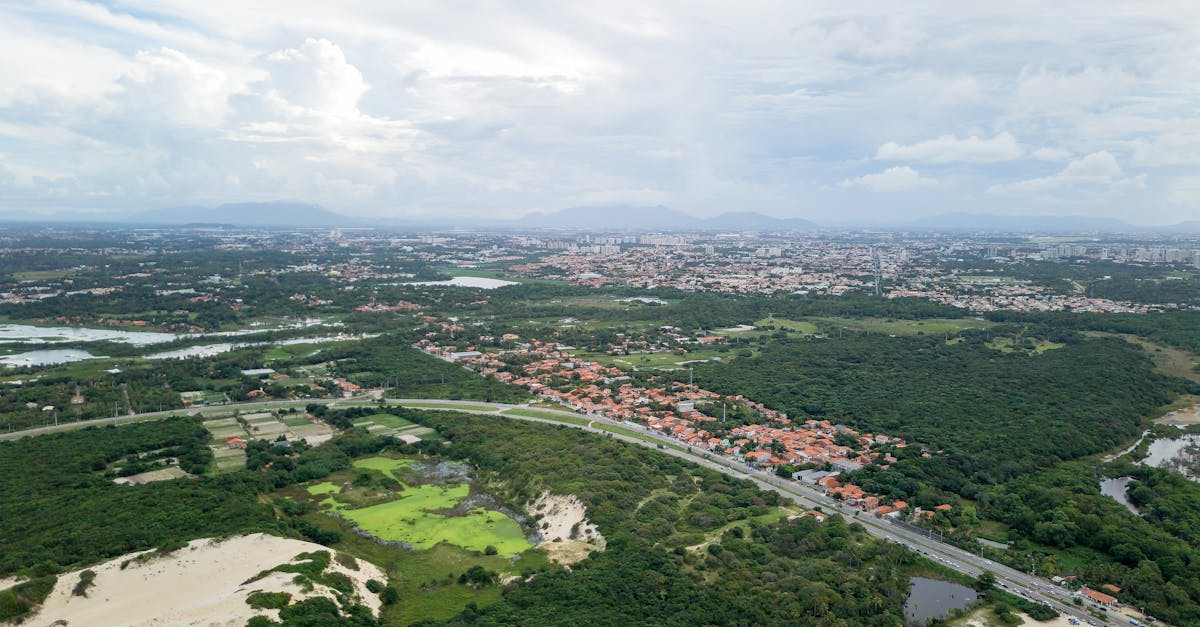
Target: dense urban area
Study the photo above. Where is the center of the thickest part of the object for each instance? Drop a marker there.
(849, 427)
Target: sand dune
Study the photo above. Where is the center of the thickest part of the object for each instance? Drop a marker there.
(567, 536)
(198, 585)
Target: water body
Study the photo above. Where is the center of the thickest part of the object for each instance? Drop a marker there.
(209, 350)
(1163, 452)
(933, 598)
(1119, 489)
(470, 281)
(46, 357)
(30, 334)
(206, 350)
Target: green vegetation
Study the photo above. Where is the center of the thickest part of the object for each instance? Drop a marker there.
(269, 600)
(1030, 345)
(651, 508)
(385, 465)
(19, 600)
(800, 326)
(891, 326)
(412, 520)
(416, 515)
(410, 373)
(998, 426)
(389, 420)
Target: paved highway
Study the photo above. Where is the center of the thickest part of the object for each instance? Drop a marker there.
(1016, 582)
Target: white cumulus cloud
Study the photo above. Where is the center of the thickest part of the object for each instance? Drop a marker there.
(1096, 169)
(895, 179)
(317, 76)
(949, 148)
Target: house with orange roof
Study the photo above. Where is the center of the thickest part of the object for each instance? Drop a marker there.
(1097, 597)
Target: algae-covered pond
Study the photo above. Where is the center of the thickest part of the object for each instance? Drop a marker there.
(424, 515)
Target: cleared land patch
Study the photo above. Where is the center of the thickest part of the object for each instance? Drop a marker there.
(926, 326)
(1033, 346)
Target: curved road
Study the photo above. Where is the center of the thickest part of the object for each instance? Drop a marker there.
(1016, 582)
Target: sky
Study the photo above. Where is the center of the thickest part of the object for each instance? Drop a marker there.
(839, 112)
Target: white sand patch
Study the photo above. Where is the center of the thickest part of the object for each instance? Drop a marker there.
(198, 585)
(8, 582)
(567, 536)
(984, 618)
(1181, 417)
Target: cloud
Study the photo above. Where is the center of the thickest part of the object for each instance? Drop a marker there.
(894, 179)
(1185, 191)
(1097, 169)
(949, 148)
(317, 76)
(168, 85)
(1051, 154)
(376, 108)
(1049, 91)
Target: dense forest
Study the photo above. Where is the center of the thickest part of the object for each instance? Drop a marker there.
(652, 508)
(999, 426)
(990, 415)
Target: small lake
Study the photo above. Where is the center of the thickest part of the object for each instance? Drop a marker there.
(1118, 489)
(935, 599)
(46, 357)
(470, 281)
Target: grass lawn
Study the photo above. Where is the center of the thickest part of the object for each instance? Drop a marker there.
(388, 420)
(459, 406)
(548, 415)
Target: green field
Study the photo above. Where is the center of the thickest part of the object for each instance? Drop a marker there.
(1005, 345)
(800, 326)
(389, 420)
(385, 465)
(41, 275)
(928, 326)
